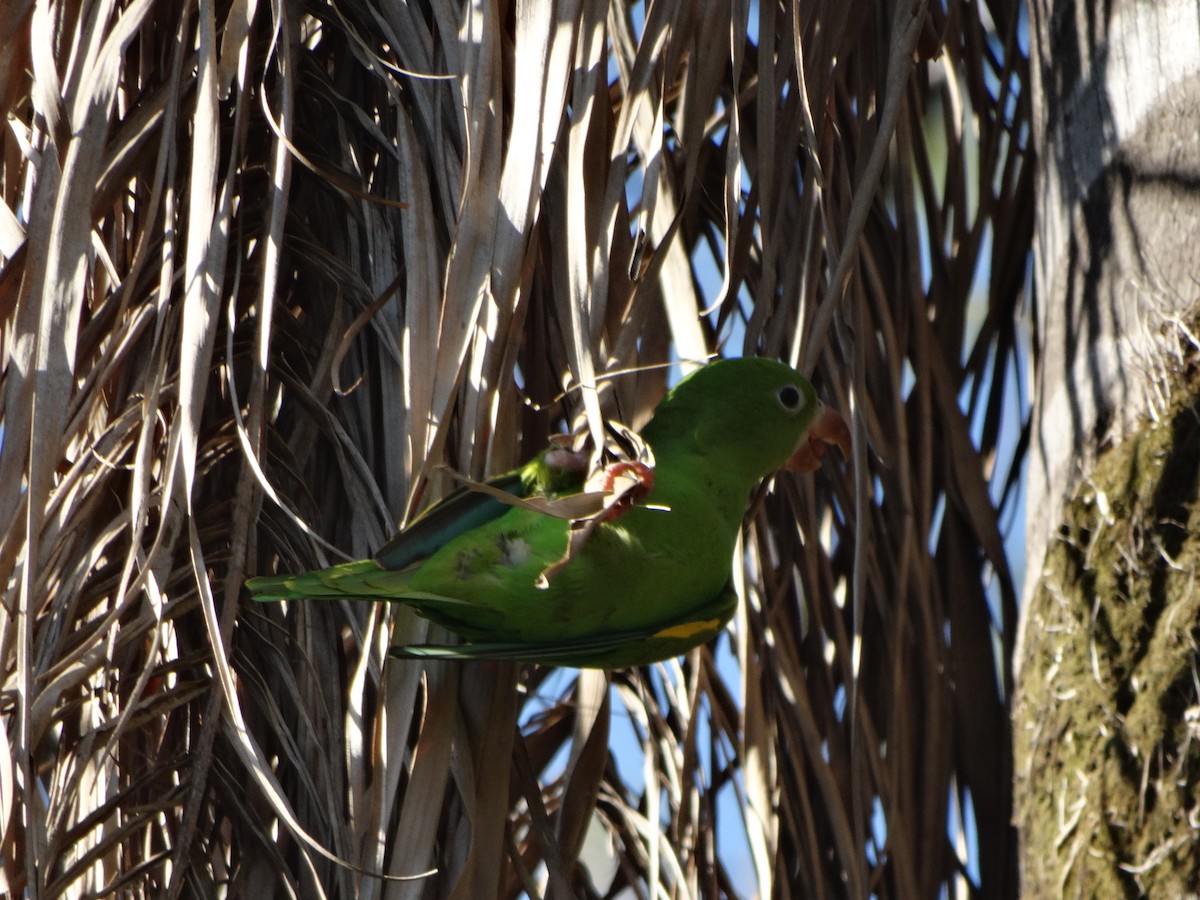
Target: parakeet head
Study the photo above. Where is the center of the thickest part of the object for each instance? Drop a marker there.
(755, 415)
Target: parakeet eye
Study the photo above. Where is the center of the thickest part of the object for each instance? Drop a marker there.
(790, 398)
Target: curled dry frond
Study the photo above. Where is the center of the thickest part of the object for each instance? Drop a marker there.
(265, 268)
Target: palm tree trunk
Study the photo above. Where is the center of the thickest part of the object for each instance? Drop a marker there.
(1106, 764)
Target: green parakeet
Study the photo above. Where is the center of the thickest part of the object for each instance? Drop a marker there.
(650, 578)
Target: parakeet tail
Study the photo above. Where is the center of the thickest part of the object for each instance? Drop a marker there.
(337, 582)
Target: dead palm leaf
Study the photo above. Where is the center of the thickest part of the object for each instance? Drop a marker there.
(265, 269)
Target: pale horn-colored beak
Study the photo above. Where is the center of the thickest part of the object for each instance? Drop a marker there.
(828, 428)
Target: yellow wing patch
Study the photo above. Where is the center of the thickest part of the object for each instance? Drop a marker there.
(686, 630)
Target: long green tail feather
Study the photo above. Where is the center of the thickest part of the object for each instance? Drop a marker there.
(337, 582)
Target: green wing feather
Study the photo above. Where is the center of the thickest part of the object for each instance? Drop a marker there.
(457, 513)
(385, 577)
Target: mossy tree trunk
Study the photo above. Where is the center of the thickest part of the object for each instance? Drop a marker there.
(1107, 715)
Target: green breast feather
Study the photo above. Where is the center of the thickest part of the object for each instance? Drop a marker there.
(647, 581)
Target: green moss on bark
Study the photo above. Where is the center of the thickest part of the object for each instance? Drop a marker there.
(1107, 715)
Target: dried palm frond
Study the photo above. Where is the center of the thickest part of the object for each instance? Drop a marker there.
(264, 269)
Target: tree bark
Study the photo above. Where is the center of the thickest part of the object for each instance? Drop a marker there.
(1106, 715)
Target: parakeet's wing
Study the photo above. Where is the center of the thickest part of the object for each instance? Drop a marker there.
(613, 649)
(555, 472)
(455, 514)
(459, 512)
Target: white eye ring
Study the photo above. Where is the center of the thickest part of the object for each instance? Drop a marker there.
(790, 398)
